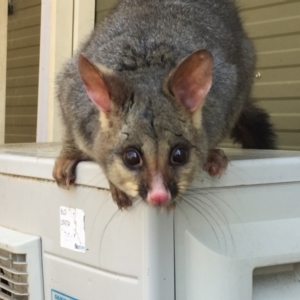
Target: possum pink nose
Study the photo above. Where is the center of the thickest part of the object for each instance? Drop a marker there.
(158, 195)
(158, 198)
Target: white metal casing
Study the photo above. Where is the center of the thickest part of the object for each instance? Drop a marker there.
(244, 242)
(225, 229)
(129, 255)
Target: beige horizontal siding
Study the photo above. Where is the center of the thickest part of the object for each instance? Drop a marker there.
(19, 43)
(17, 110)
(272, 44)
(278, 82)
(22, 100)
(28, 51)
(288, 140)
(274, 26)
(24, 32)
(254, 4)
(21, 91)
(26, 130)
(13, 120)
(22, 71)
(23, 11)
(22, 81)
(25, 23)
(20, 138)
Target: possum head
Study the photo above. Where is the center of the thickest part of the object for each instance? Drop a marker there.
(151, 143)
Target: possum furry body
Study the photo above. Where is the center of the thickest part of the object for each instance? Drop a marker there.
(151, 93)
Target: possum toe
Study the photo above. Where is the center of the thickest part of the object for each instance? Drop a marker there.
(216, 163)
(64, 171)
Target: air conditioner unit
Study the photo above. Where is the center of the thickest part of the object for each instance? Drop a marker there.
(21, 276)
(231, 238)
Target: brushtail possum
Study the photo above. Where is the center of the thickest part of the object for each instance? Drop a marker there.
(151, 93)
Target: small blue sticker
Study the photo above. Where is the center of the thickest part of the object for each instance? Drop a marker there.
(55, 295)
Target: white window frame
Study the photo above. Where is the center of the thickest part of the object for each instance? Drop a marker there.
(64, 24)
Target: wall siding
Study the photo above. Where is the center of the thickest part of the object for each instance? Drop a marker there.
(274, 27)
(22, 71)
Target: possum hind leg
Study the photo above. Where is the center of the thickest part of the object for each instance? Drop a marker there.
(253, 129)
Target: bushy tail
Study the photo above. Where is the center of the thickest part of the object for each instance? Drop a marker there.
(253, 129)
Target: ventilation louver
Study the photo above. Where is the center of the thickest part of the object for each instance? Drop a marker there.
(20, 266)
(13, 276)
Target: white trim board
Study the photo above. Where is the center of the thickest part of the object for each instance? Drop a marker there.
(64, 24)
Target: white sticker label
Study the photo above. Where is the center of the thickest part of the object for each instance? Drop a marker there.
(72, 233)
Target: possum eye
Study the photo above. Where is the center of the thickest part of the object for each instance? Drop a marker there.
(132, 158)
(179, 156)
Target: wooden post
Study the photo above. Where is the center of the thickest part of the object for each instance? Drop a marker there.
(55, 48)
(63, 26)
(84, 20)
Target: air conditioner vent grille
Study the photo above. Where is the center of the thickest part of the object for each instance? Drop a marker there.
(13, 276)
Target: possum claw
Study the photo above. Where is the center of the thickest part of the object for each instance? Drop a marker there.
(64, 171)
(216, 163)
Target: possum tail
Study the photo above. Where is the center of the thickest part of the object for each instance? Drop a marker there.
(253, 129)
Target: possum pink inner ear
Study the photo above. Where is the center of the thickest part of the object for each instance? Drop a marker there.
(192, 79)
(94, 84)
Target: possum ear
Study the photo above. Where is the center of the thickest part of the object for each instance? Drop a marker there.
(94, 84)
(191, 80)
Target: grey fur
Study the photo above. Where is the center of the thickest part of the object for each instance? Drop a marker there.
(142, 41)
(139, 32)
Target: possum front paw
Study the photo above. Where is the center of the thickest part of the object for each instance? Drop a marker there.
(64, 171)
(216, 163)
(122, 200)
